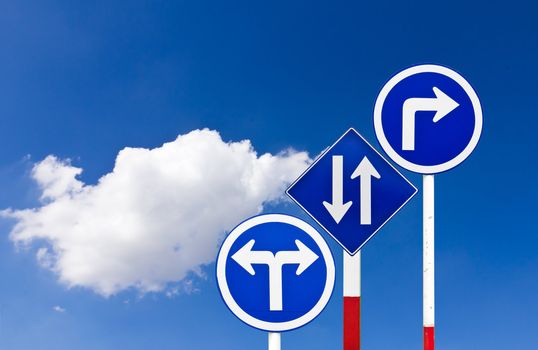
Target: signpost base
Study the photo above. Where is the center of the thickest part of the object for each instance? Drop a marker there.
(352, 301)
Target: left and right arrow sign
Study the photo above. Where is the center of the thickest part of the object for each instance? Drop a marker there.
(303, 257)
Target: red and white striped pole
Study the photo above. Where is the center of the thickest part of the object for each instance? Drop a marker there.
(352, 301)
(428, 262)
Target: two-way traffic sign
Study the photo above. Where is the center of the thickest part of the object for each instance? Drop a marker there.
(351, 191)
(275, 272)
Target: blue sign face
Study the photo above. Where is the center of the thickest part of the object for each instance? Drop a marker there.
(275, 272)
(428, 119)
(351, 191)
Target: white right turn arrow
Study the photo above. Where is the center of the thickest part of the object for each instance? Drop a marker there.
(366, 171)
(442, 104)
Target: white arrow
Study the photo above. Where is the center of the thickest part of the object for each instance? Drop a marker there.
(442, 104)
(338, 208)
(246, 257)
(366, 171)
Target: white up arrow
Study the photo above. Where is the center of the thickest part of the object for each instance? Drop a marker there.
(366, 171)
(246, 257)
(442, 104)
(338, 208)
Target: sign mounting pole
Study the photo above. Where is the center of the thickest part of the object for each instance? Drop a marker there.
(352, 301)
(457, 126)
(274, 341)
(429, 262)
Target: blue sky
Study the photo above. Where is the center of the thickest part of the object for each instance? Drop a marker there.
(83, 80)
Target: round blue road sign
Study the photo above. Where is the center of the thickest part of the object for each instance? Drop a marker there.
(428, 119)
(275, 272)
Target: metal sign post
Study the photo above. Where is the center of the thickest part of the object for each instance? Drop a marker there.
(274, 341)
(428, 119)
(352, 300)
(429, 262)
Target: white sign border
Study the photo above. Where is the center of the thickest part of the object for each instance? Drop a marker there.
(378, 125)
(230, 301)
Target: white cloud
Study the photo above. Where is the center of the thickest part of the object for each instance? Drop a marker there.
(156, 218)
(58, 309)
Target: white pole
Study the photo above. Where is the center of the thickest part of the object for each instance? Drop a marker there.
(274, 341)
(428, 262)
(352, 301)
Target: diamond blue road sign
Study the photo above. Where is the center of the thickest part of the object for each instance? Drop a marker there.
(428, 119)
(275, 272)
(351, 191)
